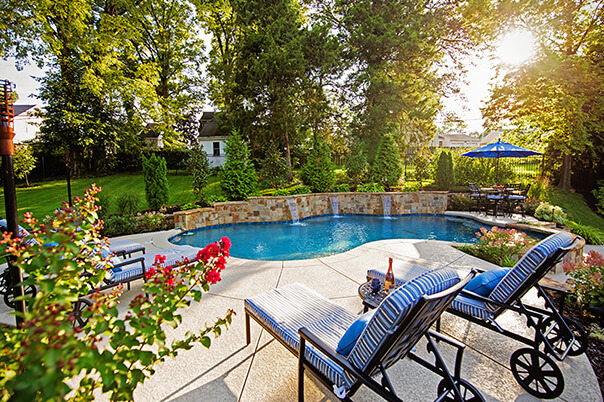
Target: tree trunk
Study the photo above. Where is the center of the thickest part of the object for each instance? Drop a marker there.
(565, 183)
(290, 174)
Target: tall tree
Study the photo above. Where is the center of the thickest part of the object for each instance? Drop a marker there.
(395, 48)
(555, 100)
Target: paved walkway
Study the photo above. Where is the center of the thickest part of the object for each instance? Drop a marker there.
(266, 371)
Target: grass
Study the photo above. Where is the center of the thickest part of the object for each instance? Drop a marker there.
(575, 207)
(43, 198)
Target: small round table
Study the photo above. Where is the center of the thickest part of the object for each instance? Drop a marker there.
(370, 298)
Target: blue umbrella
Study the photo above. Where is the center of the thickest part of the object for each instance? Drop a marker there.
(498, 150)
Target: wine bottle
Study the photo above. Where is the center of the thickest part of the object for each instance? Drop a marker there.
(389, 280)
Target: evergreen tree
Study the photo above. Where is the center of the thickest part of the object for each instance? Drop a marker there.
(274, 167)
(318, 172)
(387, 169)
(356, 163)
(155, 174)
(444, 175)
(199, 167)
(238, 177)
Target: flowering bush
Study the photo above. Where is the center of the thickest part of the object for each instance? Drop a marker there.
(587, 279)
(503, 247)
(56, 356)
(550, 213)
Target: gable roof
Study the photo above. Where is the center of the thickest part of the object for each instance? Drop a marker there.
(20, 109)
(208, 126)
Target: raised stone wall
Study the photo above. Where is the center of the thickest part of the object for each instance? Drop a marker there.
(276, 209)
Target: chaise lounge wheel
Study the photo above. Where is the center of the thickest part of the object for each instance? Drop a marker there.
(79, 308)
(467, 391)
(560, 341)
(537, 373)
(9, 297)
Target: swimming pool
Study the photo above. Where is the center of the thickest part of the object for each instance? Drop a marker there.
(321, 236)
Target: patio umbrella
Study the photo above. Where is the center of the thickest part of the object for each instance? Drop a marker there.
(498, 150)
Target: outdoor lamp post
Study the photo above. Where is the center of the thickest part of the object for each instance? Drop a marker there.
(7, 150)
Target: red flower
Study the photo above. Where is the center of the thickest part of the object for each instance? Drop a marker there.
(221, 262)
(212, 249)
(213, 276)
(150, 272)
(160, 259)
(226, 244)
(170, 283)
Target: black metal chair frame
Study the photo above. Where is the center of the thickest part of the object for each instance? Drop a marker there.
(559, 339)
(417, 323)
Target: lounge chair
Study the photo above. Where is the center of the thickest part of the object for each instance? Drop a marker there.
(345, 351)
(493, 292)
(121, 248)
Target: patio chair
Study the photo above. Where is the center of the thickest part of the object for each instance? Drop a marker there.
(494, 292)
(121, 248)
(128, 270)
(345, 352)
(477, 196)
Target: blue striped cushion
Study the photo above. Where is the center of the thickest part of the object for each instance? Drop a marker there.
(287, 309)
(471, 306)
(523, 269)
(391, 312)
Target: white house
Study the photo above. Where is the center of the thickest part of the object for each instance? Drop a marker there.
(455, 141)
(212, 139)
(28, 119)
(492, 136)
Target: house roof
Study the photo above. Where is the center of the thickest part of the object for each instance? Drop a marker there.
(491, 137)
(459, 137)
(20, 109)
(149, 131)
(208, 126)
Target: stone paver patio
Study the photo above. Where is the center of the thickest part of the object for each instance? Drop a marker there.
(266, 371)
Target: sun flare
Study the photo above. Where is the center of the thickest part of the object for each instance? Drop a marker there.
(516, 47)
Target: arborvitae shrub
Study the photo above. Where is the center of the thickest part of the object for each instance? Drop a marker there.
(274, 167)
(318, 172)
(199, 167)
(356, 163)
(238, 177)
(155, 174)
(444, 177)
(386, 168)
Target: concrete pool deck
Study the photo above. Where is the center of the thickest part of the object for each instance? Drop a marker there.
(266, 371)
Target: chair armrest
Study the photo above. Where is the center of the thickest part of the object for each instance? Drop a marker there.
(323, 347)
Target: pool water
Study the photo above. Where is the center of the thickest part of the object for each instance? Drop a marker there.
(326, 235)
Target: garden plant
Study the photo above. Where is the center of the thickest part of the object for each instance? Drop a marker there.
(53, 356)
(587, 279)
(503, 247)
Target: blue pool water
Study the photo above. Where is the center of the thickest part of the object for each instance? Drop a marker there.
(326, 235)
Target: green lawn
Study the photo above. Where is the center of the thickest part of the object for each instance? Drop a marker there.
(575, 207)
(43, 198)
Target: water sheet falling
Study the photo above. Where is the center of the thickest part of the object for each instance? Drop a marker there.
(387, 203)
(293, 210)
(335, 206)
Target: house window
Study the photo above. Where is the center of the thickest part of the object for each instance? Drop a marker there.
(216, 149)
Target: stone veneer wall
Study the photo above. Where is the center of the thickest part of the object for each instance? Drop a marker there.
(276, 209)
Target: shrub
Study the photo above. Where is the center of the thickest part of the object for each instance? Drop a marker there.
(386, 168)
(274, 167)
(589, 233)
(318, 172)
(199, 168)
(370, 188)
(300, 190)
(410, 187)
(156, 181)
(356, 162)
(599, 195)
(189, 205)
(104, 204)
(422, 161)
(128, 203)
(238, 178)
(151, 222)
(549, 213)
(530, 206)
(444, 177)
(281, 192)
(587, 279)
(460, 203)
(342, 188)
(538, 190)
(51, 356)
(119, 225)
(216, 198)
(503, 247)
